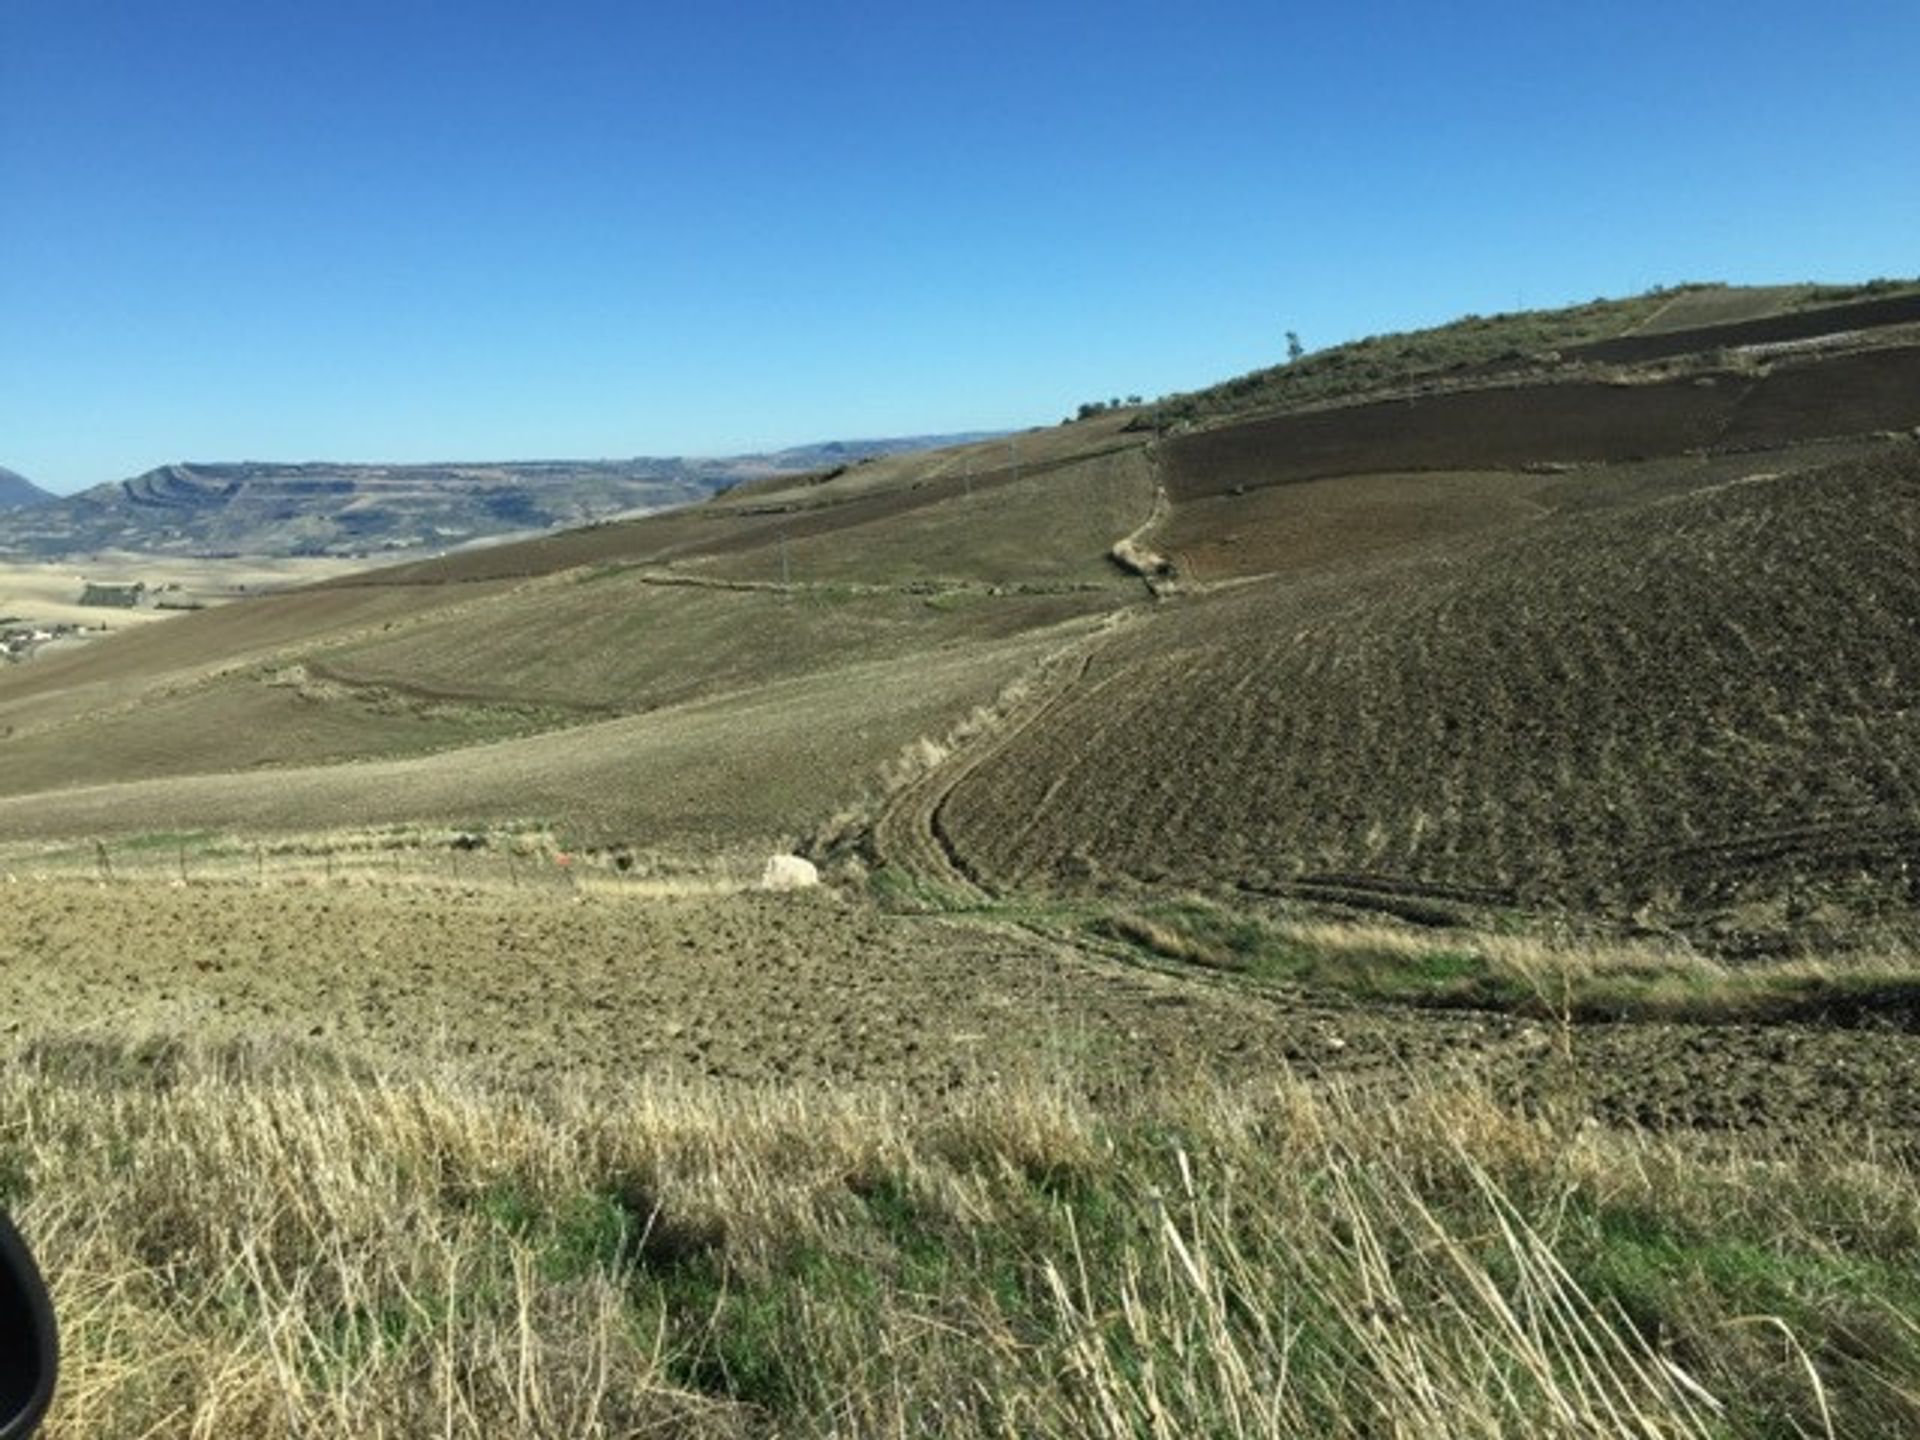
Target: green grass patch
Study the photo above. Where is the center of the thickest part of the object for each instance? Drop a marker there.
(1498, 970)
(1205, 933)
(894, 888)
(1667, 1277)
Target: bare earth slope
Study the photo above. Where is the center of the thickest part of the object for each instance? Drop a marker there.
(1669, 711)
(1228, 834)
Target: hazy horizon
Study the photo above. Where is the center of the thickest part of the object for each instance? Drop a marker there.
(393, 231)
(459, 461)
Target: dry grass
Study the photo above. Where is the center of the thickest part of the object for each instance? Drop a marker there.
(1646, 980)
(48, 591)
(249, 1241)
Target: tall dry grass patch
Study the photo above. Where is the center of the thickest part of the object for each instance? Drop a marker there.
(251, 1241)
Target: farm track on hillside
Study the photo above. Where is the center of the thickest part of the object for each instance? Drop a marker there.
(912, 832)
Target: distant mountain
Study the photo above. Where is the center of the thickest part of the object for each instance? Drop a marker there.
(319, 508)
(16, 489)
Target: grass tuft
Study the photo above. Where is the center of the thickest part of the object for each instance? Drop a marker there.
(245, 1249)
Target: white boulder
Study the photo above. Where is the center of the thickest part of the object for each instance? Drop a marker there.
(789, 872)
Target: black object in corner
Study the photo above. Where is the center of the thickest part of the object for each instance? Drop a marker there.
(29, 1346)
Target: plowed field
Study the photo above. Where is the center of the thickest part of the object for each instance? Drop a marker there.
(513, 986)
(758, 768)
(1574, 422)
(1698, 709)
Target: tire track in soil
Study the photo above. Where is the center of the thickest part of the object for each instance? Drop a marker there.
(911, 831)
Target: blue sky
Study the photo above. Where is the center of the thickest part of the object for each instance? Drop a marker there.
(410, 231)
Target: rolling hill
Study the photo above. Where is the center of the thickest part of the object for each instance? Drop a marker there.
(1622, 635)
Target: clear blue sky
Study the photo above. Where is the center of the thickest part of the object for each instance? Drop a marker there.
(397, 230)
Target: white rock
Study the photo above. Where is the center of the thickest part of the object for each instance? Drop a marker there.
(789, 872)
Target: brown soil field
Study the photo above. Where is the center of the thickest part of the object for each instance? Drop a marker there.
(1692, 711)
(1322, 524)
(1580, 702)
(1631, 649)
(1773, 329)
(1315, 524)
(1572, 422)
(590, 987)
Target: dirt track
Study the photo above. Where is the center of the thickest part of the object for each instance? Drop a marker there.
(911, 832)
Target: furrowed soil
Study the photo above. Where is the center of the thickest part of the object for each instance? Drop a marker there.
(1578, 421)
(593, 987)
(1692, 711)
